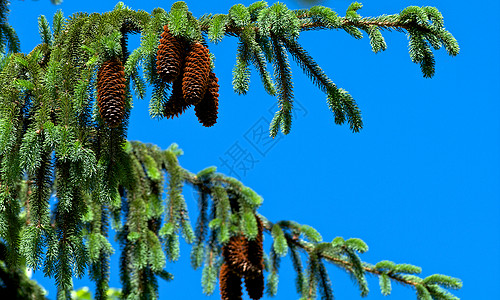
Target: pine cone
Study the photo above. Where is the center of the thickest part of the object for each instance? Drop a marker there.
(196, 72)
(176, 104)
(206, 110)
(235, 254)
(255, 286)
(230, 284)
(111, 92)
(170, 56)
(254, 278)
(256, 249)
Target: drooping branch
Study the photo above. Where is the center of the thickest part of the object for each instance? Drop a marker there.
(55, 112)
(340, 252)
(307, 24)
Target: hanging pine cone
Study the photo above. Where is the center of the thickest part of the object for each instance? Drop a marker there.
(230, 284)
(256, 248)
(254, 278)
(176, 104)
(111, 92)
(170, 56)
(235, 254)
(255, 286)
(196, 72)
(245, 258)
(206, 110)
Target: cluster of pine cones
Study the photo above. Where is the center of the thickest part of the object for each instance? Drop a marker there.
(187, 67)
(243, 258)
(111, 92)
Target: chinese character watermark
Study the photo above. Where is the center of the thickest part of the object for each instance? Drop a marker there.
(240, 158)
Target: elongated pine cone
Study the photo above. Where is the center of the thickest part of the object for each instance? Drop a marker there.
(176, 104)
(196, 72)
(235, 254)
(230, 284)
(170, 56)
(256, 248)
(207, 109)
(255, 286)
(111, 92)
(254, 278)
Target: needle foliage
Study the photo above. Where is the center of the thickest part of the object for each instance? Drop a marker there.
(67, 179)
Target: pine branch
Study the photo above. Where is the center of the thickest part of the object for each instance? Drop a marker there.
(47, 108)
(386, 22)
(414, 282)
(283, 75)
(401, 274)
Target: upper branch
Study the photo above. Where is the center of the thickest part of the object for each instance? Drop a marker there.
(306, 25)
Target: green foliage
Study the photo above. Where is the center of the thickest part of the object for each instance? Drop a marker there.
(217, 28)
(267, 33)
(44, 30)
(254, 52)
(444, 281)
(324, 16)
(209, 278)
(283, 73)
(58, 23)
(85, 294)
(310, 233)
(111, 44)
(279, 244)
(385, 284)
(272, 283)
(53, 144)
(16, 283)
(9, 42)
(278, 20)
(239, 15)
(241, 71)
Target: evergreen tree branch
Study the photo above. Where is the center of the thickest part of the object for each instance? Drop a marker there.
(385, 22)
(402, 274)
(49, 106)
(411, 281)
(283, 75)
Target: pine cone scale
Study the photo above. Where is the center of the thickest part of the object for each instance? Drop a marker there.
(176, 104)
(170, 56)
(111, 92)
(245, 259)
(230, 284)
(193, 81)
(196, 70)
(207, 109)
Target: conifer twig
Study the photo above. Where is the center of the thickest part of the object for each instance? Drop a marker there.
(346, 264)
(234, 30)
(304, 245)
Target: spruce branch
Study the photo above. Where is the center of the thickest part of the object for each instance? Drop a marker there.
(348, 259)
(283, 75)
(414, 282)
(310, 21)
(49, 129)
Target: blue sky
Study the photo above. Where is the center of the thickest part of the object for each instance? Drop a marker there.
(419, 184)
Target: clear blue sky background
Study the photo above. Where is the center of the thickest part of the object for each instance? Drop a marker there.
(419, 184)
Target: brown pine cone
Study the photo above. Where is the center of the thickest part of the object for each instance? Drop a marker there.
(254, 278)
(235, 254)
(255, 286)
(111, 92)
(256, 248)
(230, 284)
(207, 109)
(170, 56)
(176, 104)
(196, 72)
